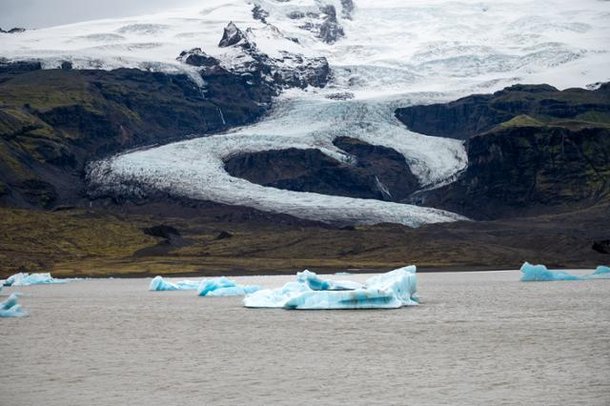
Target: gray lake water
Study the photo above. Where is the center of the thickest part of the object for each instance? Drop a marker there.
(477, 338)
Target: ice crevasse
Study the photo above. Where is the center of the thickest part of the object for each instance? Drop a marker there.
(540, 273)
(11, 308)
(391, 290)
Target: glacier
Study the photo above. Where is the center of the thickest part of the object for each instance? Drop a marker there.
(540, 273)
(393, 54)
(158, 284)
(10, 307)
(27, 279)
(391, 290)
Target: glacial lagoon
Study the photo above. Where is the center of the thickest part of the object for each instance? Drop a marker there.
(476, 338)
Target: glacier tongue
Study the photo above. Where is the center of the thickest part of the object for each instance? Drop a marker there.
(392, 290)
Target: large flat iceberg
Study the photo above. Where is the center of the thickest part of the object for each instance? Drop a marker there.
(387, 291)
(27, 279)
(10, 307)
(540, 273)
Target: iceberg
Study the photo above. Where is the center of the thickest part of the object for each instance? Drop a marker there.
(221, 286)
(391, 290)
(540, 273)
(316, 283)
(27, 279)
(158, 284)
(10, 307)
(224, 286)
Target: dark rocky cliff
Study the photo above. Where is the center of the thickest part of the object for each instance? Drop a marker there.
(475, 114)
(53, 121)
(531, 149)
(375, 172)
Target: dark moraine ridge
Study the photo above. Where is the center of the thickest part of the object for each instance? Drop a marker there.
(375, 173)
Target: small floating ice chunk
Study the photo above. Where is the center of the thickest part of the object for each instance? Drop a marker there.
(27, 279)
(539, 273)
(387, 291)
(316, 283)
(10, 307)
(158, 284)
(224, 286)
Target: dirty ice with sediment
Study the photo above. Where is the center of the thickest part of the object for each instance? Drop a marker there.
(393, 54)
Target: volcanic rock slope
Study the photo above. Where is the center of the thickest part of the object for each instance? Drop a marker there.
(334, 70)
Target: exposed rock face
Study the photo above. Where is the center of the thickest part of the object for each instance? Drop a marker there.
(602, 246)
(196, 57)
(233, 36)
(347, 8)
(479, 113)
(306, 71)
(330, 29)
(19, 67)
(259, 13)
(291, 70)
(324, 24)
(15, 30)
(524, 168)
(376, 173)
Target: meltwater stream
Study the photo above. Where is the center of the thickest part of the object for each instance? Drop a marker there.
(476, 339)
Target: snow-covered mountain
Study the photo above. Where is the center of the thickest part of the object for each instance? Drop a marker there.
(355, 63)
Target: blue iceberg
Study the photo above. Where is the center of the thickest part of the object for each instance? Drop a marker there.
(391, 290)
(27, 279)
(540, 273)
(224, 287)
(602, 270)
(316, 283)
(221, 286)
(10, 307)
(158, 284)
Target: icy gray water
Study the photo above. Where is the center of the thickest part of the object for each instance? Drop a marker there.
(477, 338)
